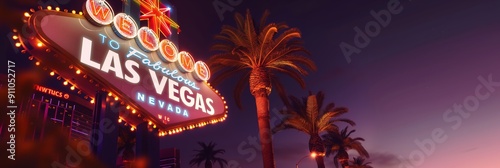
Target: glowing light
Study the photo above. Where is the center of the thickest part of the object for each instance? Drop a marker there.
(80, 13)
(65, 83)
(120, 120)
(92, 101)
(39, 44)
(52, 73)
(110, 94)
(132, 128)
(37, 63)
(185, 62)
(168, 51)
(314, 154)
(133, 111)
(128, 107)
(150, 123)
(124, 26)
(100, 12)
(57, 8)
(154, 126)
(157, 16)
(116, 98)
(148, 40)
(18, 44)
(78, 71)
(73, 11)
(202, 71)
(15, 37)
(72, 87)
(144, 61)
(49, 7)
(26, 14)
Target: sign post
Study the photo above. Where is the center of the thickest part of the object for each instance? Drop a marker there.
(105, 130)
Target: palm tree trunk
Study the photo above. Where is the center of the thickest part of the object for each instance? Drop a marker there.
(320, 161)
(345, 165)
(208, 164)
(260, 87)
(262, 103)
(343, 158)
(316, 145)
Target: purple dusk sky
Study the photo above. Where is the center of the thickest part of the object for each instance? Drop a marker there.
(424, 91)
(399, 88)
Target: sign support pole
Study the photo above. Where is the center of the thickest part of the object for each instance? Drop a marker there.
(132, 9)
(105, 130)
(148, 145)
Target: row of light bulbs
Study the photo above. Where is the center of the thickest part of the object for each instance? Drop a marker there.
(40, 45)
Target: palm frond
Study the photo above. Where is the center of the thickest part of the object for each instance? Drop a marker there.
(312, 111)
(207, 154)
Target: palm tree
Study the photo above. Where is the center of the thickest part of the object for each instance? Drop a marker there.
(306, 116)
(340, 143)
(207, 154)
(359, 162)
(126, 144)
(256, 55)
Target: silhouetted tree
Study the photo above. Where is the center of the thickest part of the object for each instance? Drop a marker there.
(359, 162)
(208, 154)
(306, 116)
(340, 143)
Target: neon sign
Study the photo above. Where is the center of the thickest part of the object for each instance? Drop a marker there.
(100, 12)
(158, 21)
(50, 91)
(124, 26)
(167, 85)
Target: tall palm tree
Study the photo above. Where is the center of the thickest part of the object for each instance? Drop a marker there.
(359, 162)
(255, 55)
(340, 143)
(126, 145)
(207, 154)
(306, 116)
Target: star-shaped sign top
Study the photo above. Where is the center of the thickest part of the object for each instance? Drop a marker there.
(158, 17)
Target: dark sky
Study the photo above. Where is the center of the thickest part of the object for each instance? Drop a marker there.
(405, 88)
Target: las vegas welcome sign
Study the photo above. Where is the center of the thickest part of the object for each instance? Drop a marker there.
(98, 49)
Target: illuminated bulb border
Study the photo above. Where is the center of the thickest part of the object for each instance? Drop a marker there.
(128, 107)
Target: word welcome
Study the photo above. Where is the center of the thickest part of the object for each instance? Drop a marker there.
(100, 13)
